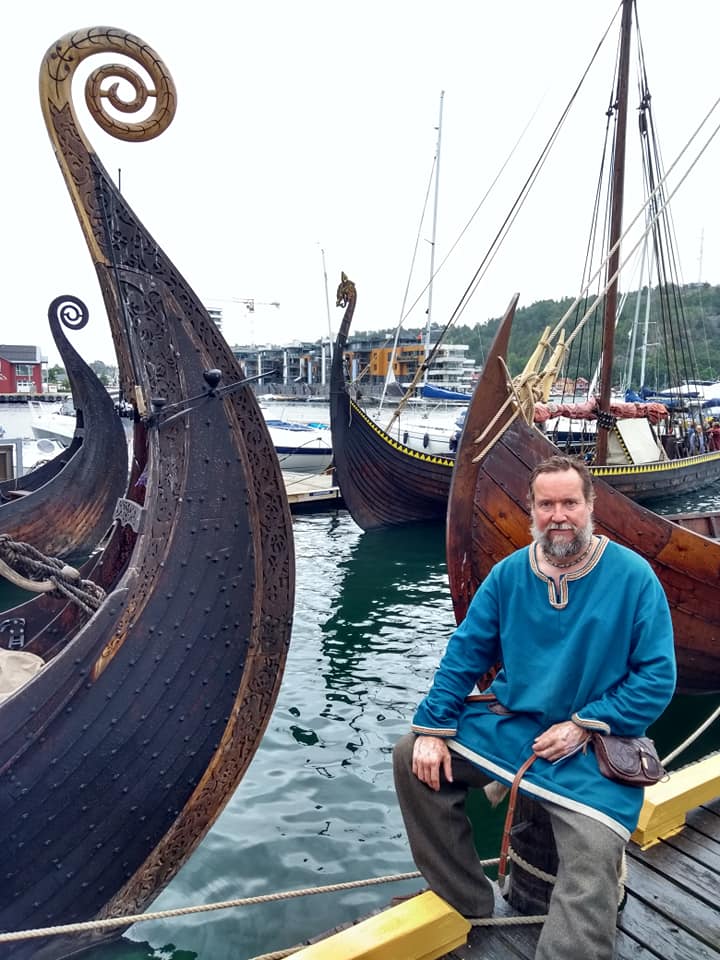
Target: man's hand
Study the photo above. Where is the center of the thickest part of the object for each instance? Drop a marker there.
(559, 739)
(430, 754)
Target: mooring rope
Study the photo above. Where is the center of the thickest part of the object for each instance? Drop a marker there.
(108, 923)
(692, 738)
(25, 566)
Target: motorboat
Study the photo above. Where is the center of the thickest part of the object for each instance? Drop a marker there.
(301, 447)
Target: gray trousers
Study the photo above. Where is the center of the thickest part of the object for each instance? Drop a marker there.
(583, 907)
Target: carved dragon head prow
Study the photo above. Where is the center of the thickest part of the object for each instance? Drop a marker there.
(345, 291)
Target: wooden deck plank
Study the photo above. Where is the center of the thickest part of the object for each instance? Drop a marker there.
(680, 869)
(627, 948)
(670, 901)
(643, 928)
(700, 847)
(499, 943)
(705, 821)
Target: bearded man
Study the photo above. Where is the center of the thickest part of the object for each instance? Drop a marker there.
(581, 628)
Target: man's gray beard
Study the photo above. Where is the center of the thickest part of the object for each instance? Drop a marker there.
(563, 549)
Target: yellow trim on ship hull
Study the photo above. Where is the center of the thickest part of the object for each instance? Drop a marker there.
(657, 466)
(448, 462)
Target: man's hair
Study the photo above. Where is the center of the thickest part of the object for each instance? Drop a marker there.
(559, 464)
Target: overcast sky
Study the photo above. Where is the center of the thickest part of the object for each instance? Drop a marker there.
(311, 126)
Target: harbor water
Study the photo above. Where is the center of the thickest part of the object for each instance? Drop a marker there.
(317, 805)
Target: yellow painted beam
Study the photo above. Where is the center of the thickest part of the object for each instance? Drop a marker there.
(422, 928)
(668, 802)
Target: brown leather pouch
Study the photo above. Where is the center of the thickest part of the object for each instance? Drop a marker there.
(632, 760)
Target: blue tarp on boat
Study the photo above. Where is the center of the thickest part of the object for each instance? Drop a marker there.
(429, 392)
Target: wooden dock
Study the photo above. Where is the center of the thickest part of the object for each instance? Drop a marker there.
(311, 492)
(672, 909)
(672, 912)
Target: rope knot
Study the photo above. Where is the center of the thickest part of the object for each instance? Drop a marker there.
(28, 568)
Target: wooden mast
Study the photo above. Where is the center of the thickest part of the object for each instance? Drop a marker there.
(618, 190)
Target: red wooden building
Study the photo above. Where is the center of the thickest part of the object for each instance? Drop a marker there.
(20, 369)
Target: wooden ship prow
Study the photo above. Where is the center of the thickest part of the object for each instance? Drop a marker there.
(120, 753)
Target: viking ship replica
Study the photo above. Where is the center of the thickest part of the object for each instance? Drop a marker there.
(383, 482)
(66, 506)
(162, 669)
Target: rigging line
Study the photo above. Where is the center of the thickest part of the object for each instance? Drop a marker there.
(528, 182)
(515, 210)
(406, 313)
(505, 226)
(651, 199)
(407, 285)
(649, 225)
(522, 196)
(594, 243)
(667, 255)
(477, 210)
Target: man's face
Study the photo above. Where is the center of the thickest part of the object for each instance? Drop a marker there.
(562, 517)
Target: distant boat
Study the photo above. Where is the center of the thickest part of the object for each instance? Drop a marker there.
(383, 481)
(65, 507)
(301, 447)
(429, 391)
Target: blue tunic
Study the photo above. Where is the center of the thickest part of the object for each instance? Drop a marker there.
(598, 650)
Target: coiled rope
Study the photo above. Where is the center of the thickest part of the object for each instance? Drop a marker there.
(28, 568)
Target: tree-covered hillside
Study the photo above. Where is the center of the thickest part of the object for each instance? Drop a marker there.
(698, 345)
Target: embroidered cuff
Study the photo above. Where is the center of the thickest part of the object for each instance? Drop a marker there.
(589, 724)
(433, 731)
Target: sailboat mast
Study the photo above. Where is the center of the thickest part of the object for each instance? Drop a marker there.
(434, 232)
(327, 307)
(616, 210)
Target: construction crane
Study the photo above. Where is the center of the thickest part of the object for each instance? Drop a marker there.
(250, 303)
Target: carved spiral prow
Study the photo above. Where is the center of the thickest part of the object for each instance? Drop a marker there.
(105, 217)
(64, 57)
(75, 155)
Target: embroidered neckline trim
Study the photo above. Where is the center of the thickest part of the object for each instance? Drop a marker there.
(558, 595)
